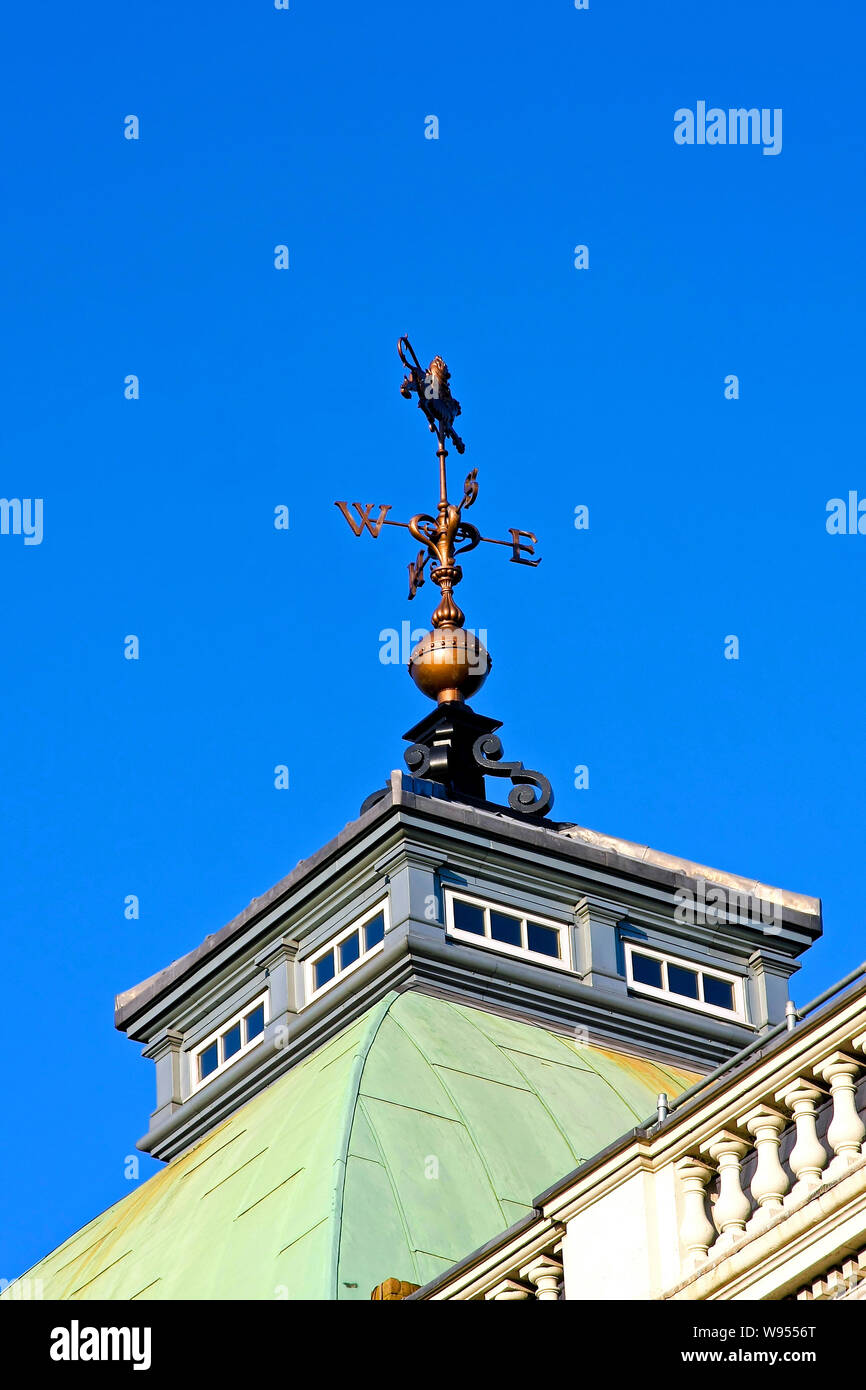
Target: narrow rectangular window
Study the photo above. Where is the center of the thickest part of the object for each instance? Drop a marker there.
(719, 993)
(347, 949)
(468, 917)
(255, 1023)
(350, 950)
(236, 1035)
(646, 970)
(684, 982)
(543, 940)
(231, 1042)
(504, 928)
(508, 930)
(374, 931)
(208, 1061)
(324, 969)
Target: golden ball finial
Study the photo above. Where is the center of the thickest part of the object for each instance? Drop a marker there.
(449, 664)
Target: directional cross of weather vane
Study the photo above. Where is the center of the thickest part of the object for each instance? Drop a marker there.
(446, 535)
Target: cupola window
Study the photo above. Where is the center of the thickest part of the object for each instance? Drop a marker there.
(506, 929)
(347, 951)
(231, 1041)
(683, 982)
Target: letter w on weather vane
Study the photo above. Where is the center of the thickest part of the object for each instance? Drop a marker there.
(447, 535)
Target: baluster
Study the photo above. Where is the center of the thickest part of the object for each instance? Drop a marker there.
(770, 1181)
(546, 1275)
(697, 1232)
(732, 1208)
(846, 1130)
(808, 1156)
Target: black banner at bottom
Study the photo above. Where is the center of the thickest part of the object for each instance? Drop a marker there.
(163, 1339)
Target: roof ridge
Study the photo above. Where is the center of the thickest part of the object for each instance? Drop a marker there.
(376, 1017)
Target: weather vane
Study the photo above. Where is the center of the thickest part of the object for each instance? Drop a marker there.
(453, 744)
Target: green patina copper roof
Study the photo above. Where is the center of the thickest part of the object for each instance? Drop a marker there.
(415, 1135)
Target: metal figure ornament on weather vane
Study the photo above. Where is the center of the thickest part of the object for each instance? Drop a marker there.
(453, 745)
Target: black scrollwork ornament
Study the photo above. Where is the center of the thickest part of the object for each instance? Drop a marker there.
(531, 795)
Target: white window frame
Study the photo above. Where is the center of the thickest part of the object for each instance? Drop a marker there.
(562, 962)
(197, 1081)
(312, 991)
(738, 1012)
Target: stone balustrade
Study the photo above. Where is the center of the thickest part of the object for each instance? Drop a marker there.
(769, 1158)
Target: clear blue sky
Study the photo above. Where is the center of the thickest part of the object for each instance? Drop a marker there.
(259, 387)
